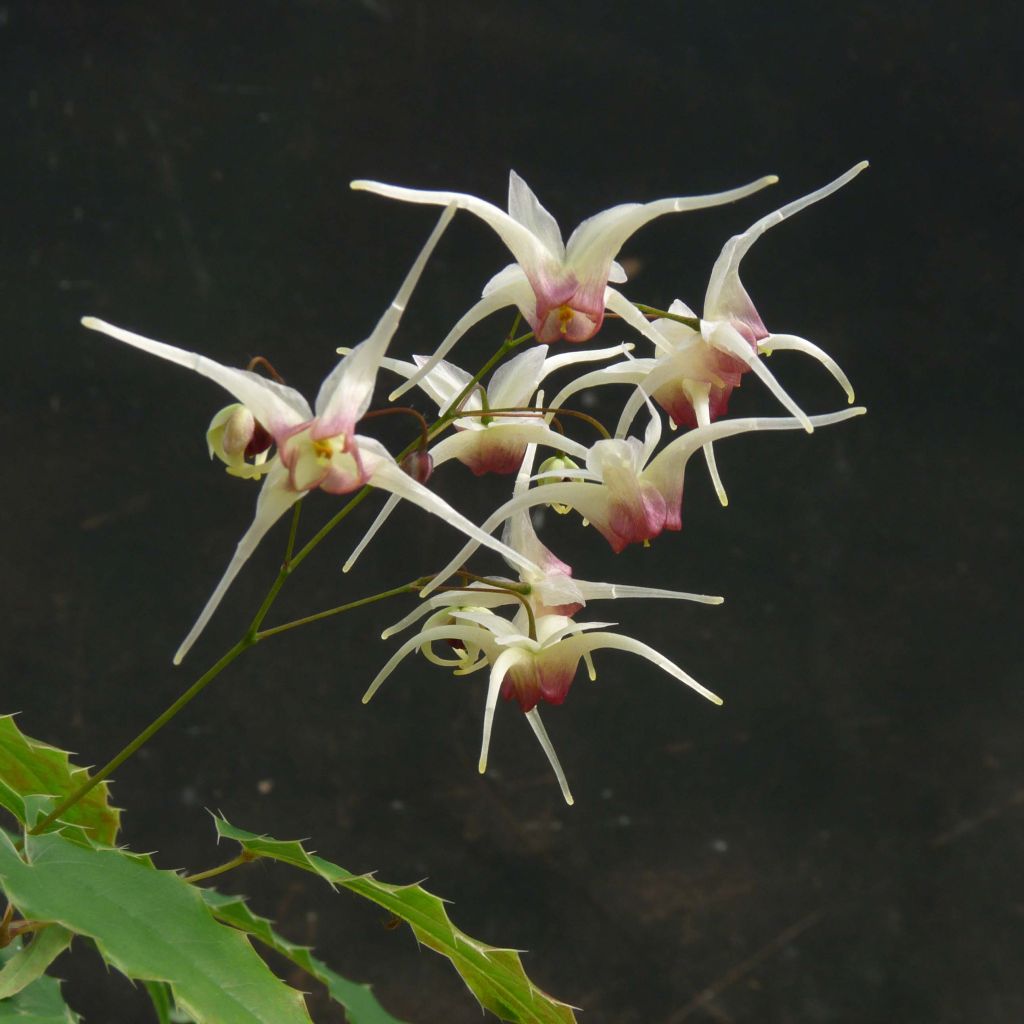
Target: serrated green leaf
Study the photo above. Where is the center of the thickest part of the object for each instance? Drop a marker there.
(151, 925)
(30, 962)
(361, 1005)
(30, 767)
(495, 976)
(38, 1003)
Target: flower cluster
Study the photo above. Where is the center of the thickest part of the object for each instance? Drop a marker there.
(523, 629)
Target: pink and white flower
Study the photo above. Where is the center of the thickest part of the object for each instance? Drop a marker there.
(314, 449)
(528, 669)
(561, 288)
(490, 444)
(695, 371)
(626, 492)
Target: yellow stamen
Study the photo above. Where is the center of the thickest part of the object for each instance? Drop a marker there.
(565, 315)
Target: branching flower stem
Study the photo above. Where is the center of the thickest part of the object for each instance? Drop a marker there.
(253, 634)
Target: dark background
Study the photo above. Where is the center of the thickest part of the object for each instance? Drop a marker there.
(841, 841)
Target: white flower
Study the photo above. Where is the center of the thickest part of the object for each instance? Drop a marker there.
(695, 371)
(561, 288)
(314, 449)
(626, 492)
(528, 669)
(489, 444)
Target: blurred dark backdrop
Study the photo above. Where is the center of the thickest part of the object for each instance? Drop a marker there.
(841, 841)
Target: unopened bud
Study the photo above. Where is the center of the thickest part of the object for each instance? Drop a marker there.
(552, 466)
(419, 465)
(235, 435)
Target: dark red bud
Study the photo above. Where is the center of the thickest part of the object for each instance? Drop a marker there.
(419, 465)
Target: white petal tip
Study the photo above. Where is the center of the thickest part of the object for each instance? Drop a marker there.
(92, 323)
(346, 567)
(862, 165)
(482, 766)
(723, 499)
(715, 699)
(716, 600)
(366, 698)
(568, 799)
(178, 658)
(770, 179)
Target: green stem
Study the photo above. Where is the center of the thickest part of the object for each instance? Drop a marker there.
(406, 588)
(236, 862)
(252, 634)
(690, 321)
(154, 727)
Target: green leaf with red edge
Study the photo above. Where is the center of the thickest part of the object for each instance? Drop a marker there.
(495, 976)
(30, 768)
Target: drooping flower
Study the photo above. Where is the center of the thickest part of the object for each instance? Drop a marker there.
(561, 288)
(626, 492)
(490, 443)
(695, 371)
(314, 449)
(528, 669)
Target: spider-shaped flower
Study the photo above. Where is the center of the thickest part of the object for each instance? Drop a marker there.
(314, 449)
(694, 371)
(629, 494)
(483, 442)
(561, 288)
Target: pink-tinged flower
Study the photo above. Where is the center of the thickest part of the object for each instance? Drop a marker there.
(561, 288)
(489, 444)
(695, 371)
(528, 669)
(314, 449)
(626, 492)
(550, 591)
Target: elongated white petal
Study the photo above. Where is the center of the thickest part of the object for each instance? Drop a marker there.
(632, 372)
(616, 641)
(661, 372)
(618, 303)
(793, 343)
(702, 411)
(533, 717)
(382, 518)
(612, 591)
(514, 382)
(443, 383)
(667, 467)
(525, 207)
(599, 238)
(346, 393)
(724, 337)
(588, 499)
(275, 406)
(474, 594)
(508, 295)
(275, 498)
(558, 362)
(471, 634)
(528, 249)
(502, 664)
(389, 477)
(725, 294)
